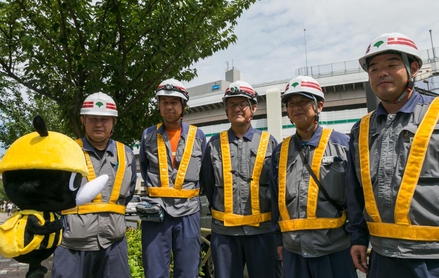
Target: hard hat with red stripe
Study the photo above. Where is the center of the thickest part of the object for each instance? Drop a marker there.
(172, 88)
(99, 104)
(241, 89)
(303, 85)
(391, 43)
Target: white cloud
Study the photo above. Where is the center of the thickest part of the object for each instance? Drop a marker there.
(271, 44)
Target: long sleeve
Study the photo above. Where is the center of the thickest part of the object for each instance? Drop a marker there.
(357, 226)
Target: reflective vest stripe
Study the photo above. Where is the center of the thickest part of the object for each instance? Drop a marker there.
(311, 222)
(115, 193)
(240, 220)
(313, 188)
(228, 217)
(97, 205)
(227, 173)
(363, 145)
(282, 178)
(402, 228)
(256, 173)
(177, 191)
(172, 192)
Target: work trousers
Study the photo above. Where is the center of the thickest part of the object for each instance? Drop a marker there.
(179, 235)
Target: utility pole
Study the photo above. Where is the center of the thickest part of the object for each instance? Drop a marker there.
(431, 39)
(306, 58)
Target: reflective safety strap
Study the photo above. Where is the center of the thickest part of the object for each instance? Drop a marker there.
(177, 191)
(414, 163)
(115, 193)
(172, 192)
(282, 177)
(400, 231)
(228, 217)
(240, 220)
(402, 228)
(313, 188)
(96, 207)
(100, 206)
(363, 145)
(311, 222)
(257, 170)
(227, 173)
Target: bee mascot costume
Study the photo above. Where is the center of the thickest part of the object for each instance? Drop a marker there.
(42, 174)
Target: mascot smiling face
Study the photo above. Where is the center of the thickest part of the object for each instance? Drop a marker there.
(42, 174)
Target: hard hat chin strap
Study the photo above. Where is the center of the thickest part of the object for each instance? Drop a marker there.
(316, 118)
(410, 81)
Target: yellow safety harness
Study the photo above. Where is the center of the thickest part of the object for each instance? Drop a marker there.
(402, 228)
(177, 191)
(97, 205)
(311, 222)
(13, 232)
(228, 217)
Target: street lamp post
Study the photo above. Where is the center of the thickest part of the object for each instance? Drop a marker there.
(431, 39)
(306, 58)
(428, 84)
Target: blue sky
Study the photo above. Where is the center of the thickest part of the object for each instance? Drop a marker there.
(271, 37)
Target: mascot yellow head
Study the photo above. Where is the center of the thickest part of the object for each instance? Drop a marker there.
(43, 170)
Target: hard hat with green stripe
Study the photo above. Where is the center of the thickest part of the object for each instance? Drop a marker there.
(303, 85)
(99, 104)
(391, 43)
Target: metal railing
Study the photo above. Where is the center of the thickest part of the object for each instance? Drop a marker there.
(353, 66)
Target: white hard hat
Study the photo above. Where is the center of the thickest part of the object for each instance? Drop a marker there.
(391, 42)
(99, 104)
(241, 89)
(172, 88)
(303, 85)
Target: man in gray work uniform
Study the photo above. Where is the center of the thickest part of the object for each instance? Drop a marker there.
(170, 159)
(94, 243)
(234, 175)
(308, 189)
(393, 170)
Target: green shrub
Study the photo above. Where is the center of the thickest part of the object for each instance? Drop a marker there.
(135, 252)
(134, 240)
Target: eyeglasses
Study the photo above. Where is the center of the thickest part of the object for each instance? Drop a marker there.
(300, 103)
(240, 105)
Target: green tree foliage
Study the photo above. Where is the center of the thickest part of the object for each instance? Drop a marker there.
(2, 192)
(61, 51)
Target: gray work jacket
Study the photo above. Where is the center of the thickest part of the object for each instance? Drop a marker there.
(242, 154)
(313, 242)
(91, 232)
(390, 138)
(149, 167)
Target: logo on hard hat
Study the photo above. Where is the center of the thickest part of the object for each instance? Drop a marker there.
(295, 84)
(378, 44)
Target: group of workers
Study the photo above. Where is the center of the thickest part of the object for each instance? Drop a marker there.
(309, 206)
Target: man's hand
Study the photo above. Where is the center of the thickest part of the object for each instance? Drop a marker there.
(279, 251)
(359, 257)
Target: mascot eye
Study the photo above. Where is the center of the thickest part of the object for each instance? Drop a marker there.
(74, 182)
